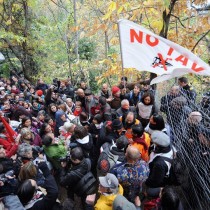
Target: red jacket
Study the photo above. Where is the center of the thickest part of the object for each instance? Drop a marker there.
(7, 139)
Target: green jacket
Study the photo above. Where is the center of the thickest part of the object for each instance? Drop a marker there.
(54, 152)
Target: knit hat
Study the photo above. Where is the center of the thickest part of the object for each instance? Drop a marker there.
(109, 181)
(115, 89)
(160, 138)
(39, 92)
(121, 203)
(117, 124)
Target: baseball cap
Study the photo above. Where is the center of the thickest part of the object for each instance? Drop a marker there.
(109, 181)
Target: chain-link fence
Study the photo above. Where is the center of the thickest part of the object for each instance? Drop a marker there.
(189, 122)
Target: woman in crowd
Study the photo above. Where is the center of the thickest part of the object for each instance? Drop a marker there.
(146, 108)
(30, 137)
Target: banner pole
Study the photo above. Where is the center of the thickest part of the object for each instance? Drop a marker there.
(121, 53)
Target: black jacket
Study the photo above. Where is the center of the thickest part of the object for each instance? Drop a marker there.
(71, 178)
(158, 170)
(49, 199)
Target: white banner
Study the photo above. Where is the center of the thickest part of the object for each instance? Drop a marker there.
(146, 51)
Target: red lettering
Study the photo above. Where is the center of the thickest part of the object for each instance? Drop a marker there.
(151, 43)
(182, 59)
(134, 36)
(197, 69)
(170, 51)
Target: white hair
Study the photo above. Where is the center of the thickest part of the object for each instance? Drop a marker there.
(67, 125)
(68, 100)
(124, 101)
(195, 117)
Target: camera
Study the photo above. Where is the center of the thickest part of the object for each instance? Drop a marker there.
(67, 158)
(4, 177)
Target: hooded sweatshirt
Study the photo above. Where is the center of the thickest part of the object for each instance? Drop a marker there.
(105, 202)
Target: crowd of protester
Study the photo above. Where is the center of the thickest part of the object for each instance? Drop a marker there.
(58, 142)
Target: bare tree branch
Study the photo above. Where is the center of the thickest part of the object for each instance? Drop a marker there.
(178, 20)
(205, 34)
(61, 6)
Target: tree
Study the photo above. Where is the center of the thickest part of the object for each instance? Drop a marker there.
(15, 21)
(176, 20)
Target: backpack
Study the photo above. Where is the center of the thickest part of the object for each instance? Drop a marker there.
(152, 204)
(178, 172)
(87, 184)
(106, 159)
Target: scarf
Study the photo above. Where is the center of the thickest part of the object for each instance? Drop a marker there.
(141, 140)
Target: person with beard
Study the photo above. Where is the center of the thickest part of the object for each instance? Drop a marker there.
(141, 140)
(125, 108)
(105, 92)
(128, 121)
(92, 106)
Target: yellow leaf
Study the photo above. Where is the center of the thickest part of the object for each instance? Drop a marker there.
(120, 10)
(107, 15)
(112, 6)
(126, 6)
(115, 27)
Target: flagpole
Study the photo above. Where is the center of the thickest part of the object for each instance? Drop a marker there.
(121, 53)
